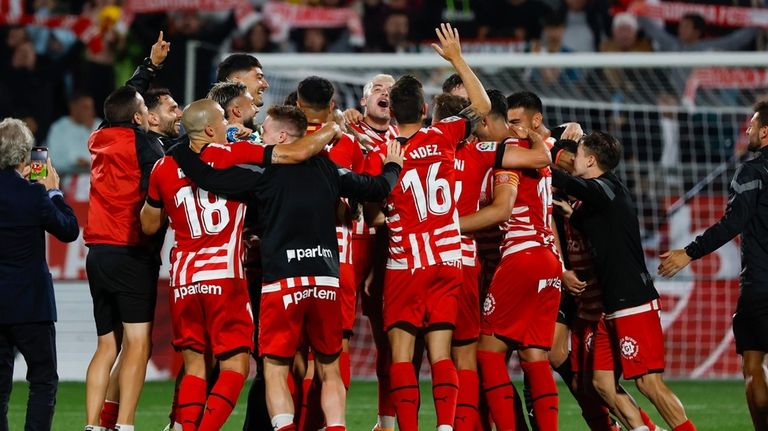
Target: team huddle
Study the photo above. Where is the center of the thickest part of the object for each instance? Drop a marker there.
(481, 234)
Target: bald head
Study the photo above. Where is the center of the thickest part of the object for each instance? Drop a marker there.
(204, 122)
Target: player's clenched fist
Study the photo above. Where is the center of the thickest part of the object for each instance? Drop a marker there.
(450, 46)
(394, 152)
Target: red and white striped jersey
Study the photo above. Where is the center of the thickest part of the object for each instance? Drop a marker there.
(421, 211)
(346, 153)
(529, 224)
(207, 227)
(589, 305)
(372, 165)
(474, 162)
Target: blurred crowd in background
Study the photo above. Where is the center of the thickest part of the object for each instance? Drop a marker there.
(56, 76)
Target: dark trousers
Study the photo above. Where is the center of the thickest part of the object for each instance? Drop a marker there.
(37, 343)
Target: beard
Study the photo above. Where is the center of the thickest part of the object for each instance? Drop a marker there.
(170, 130)
(250, 123)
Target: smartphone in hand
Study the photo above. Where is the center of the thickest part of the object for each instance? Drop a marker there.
(38, 165)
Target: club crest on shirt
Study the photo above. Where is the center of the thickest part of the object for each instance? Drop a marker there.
(489, 305)
(486, 146)
(629, 347)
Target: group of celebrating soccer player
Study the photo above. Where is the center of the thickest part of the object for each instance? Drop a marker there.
(446, 233)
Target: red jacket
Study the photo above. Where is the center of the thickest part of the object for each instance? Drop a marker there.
(122, 157)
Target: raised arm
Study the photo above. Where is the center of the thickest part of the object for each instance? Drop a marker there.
(145, 73)
(733, 41)
(657, 33)
(450, 49)
(307, 146)
(236, 180)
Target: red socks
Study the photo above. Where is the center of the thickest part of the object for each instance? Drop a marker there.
(336, 428)
(108, 416)
(386, 407)
(191, 402)
(222, 400)
(445, 391)
(685, 426)
(346, 372)
(404, 393)
(467, 403)
(543, 393)
(647, 420)
(498, 389)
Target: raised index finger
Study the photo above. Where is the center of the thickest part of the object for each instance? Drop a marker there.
(160, 37)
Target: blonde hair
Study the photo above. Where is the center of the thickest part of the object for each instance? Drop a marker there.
(380, 77)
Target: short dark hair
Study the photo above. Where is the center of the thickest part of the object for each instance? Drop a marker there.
(606, 149)
(498, 103)
(452, 82)
(315, 92)
(447, 105)
(698, 21)
(224, 93)
(121, 104)
(291, 115)
(526, 100)
(239, 62)
(761, 108)
(291, 98)
(407, 100)
(152, 97)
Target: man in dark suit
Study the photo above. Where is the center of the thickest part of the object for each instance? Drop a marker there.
(28, 305)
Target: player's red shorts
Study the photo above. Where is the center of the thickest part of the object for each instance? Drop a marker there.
(422, 298)
(468, 316)
(591, 346)
(522, 302)
(348, 297)
(638, 339)
(212, 315)
(288, 313)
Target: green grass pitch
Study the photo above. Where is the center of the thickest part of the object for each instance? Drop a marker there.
(712, 405)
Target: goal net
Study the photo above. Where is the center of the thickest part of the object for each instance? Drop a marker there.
(683, 134)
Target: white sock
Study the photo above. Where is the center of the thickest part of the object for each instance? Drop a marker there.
(94, 428)
(281, 420)
(121, 427)
(444, 428)
(387, 422)
(641, 428)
